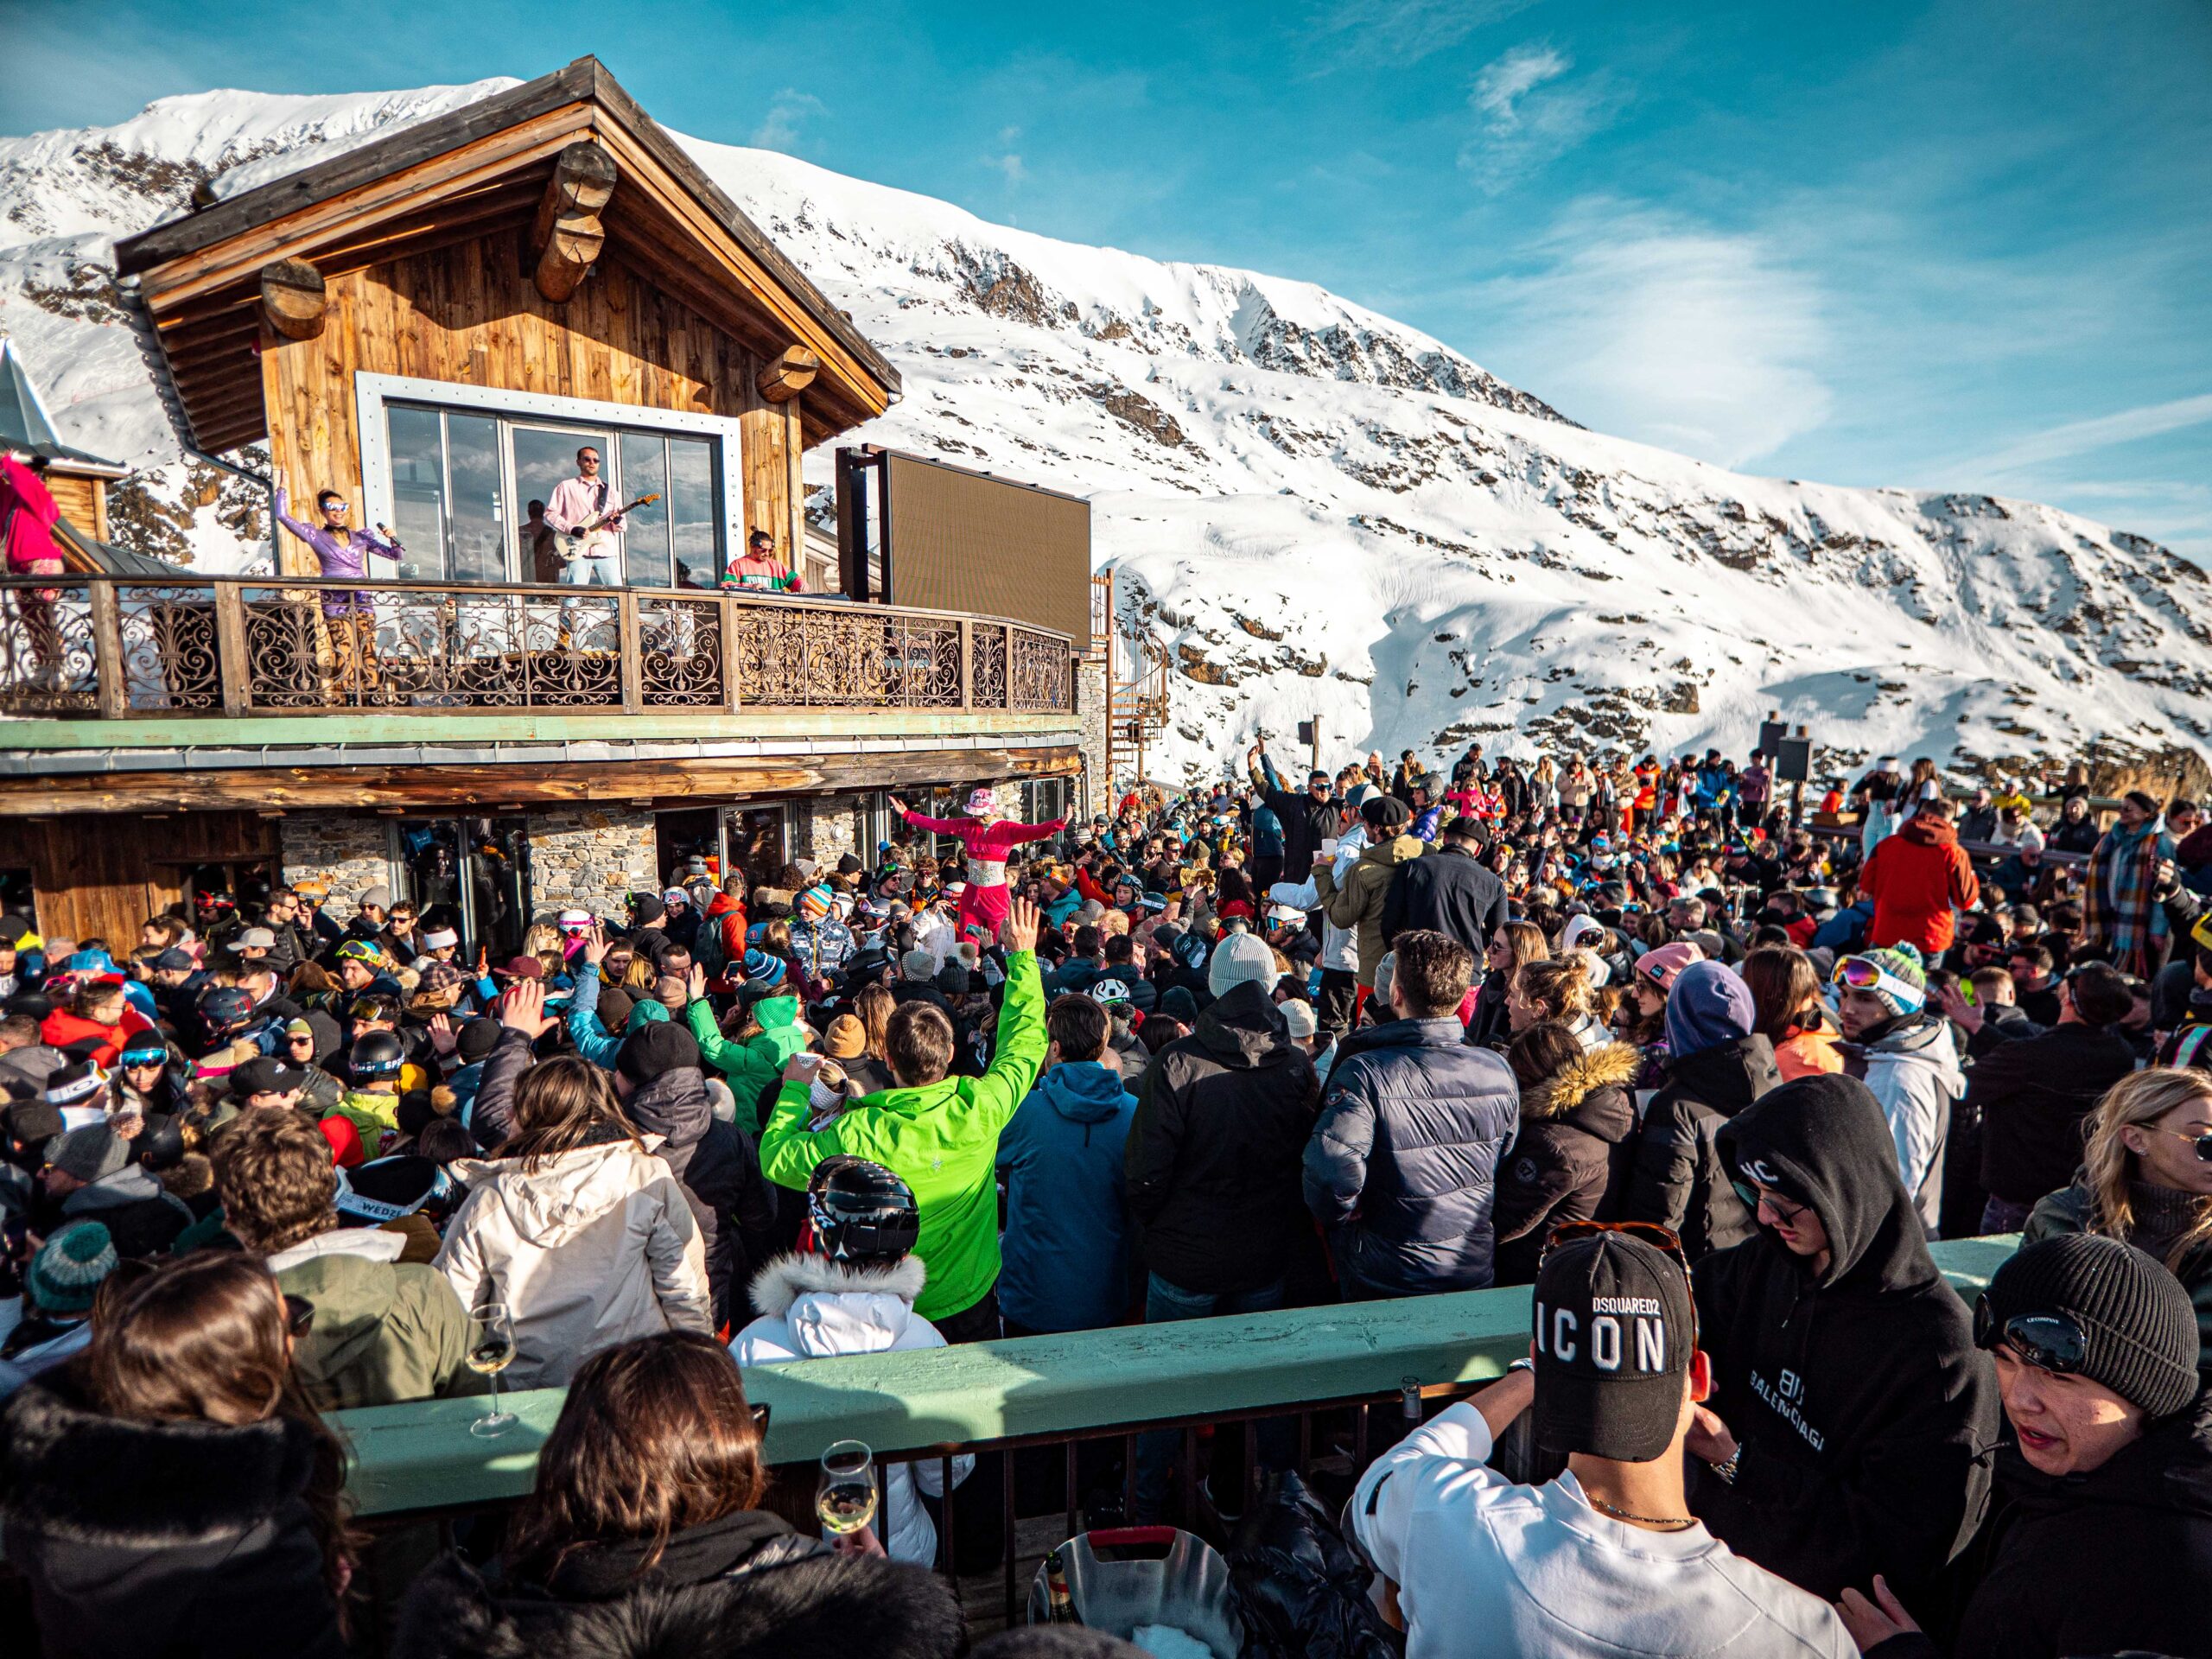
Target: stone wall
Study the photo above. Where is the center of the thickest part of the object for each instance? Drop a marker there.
(826, 830)
(590, 858)
(1095, 789)
(349, 850)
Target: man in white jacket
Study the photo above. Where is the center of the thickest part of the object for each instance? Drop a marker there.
(1606, 1560)
(853, 1294)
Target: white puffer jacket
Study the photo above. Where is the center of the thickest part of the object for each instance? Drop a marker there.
(815, 1308)
(593, 1248)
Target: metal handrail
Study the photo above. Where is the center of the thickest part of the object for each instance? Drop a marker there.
(110, 645)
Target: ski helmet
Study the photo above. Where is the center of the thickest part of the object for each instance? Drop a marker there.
(861, 1213)
(377, 1055)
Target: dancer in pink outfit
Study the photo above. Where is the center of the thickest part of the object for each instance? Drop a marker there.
(987, 837)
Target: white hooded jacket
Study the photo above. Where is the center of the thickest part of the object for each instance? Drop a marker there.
(594, 1247)
(1339, 945)
(816, 1308)
(1913, 1070)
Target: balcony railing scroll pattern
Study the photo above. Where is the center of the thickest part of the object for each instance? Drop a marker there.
(83, 646)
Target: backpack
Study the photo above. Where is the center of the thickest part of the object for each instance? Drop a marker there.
(708, 949)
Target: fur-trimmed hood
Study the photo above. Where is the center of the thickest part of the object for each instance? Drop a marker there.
(822, 1604)
(1609, 1066)
(72, 1473)
(784, 1280)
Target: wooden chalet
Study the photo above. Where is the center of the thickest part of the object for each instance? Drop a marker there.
(431, 324)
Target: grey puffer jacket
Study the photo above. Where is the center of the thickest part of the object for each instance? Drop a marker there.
(1403, 1165)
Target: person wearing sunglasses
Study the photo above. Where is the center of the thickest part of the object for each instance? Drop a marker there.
(2146, 1180)
(1906, 1055)
(2099, 1540)
(1611, 1557)
(341, 551)
(1850, 1409)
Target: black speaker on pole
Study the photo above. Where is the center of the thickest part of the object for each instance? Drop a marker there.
(1793, 761)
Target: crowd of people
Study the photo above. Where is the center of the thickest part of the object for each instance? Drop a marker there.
(1707, 1075)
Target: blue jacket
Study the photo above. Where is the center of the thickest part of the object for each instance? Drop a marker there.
(1846, 929)
(1267, 833)
(1402, 1166)
(1065, 1250)
(592, 1039)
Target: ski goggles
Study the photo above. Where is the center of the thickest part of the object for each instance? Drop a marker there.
(1863, 974)
(2050, 1342)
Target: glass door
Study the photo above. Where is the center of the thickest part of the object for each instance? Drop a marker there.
(472, 875)
(449, 494)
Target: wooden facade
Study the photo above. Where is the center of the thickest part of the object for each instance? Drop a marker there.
(471, 314)
(101, 877)
(82, 498)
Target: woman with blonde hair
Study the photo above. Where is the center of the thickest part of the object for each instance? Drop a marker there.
(2146, 1180)
(1558, 987)
(577, 1225)
(1511, 945)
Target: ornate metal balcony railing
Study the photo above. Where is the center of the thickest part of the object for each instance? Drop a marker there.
(115, 647)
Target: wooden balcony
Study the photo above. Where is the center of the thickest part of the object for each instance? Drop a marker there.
(104, 648)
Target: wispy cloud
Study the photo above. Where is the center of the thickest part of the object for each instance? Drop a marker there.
(779, 127)
(1530, 111)
(2085, 437)
(1007, 162)
(1405, 31)
(1655, 326)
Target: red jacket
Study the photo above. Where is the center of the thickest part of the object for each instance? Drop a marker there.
(62, 1029)
(1915, 878)
(729, 915)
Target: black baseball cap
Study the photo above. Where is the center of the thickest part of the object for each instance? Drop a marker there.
(266, 1075)
(1615, 1330)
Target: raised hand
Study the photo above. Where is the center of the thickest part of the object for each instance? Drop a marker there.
(1023, 921)
(596, 945)
(444, 1038)
(898, 804)
(522, 1008)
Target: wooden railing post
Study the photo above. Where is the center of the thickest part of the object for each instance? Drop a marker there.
(967, 663)
(110, 685)
(730, 655)
(632, 669)
(231, 666)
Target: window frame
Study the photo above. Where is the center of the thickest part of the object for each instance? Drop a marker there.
(374, 393)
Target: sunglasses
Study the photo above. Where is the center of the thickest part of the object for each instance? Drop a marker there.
(337, 507)
(1662, 1239)
(2050, 1342)
(2201, 1142)
(760, 1419)
(299, 1315)
(1753, 1197)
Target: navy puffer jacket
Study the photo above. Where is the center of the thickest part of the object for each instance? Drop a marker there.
(1401, 1167)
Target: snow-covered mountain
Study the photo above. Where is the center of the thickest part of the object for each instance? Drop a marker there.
(1318, 510)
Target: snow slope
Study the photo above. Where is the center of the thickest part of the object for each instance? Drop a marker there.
(1316, 510)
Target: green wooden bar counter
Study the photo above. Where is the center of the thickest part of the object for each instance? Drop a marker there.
(422, 1456)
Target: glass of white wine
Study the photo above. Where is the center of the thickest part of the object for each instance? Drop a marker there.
(845, 1496)
(491, 1351)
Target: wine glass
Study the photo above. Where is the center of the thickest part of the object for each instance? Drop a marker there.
(491, 1351)
(845, 1496)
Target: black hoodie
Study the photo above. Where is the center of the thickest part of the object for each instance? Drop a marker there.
(1863, 1410)
(2120, 1558)
(1213, 1159)
(720, 1169)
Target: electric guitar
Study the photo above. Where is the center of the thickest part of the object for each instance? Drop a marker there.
(586, 540)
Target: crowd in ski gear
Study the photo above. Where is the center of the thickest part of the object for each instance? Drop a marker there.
(1706, 1063)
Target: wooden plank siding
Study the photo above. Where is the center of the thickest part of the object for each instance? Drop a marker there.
(83, 500)
(100, 878)
(470, 313)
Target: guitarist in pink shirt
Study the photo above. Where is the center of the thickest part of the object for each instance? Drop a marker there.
(594, 556)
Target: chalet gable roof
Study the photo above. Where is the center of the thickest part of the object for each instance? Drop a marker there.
(472, 172)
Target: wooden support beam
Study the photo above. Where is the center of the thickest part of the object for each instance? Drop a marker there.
(568, 236)
(293, 298)
(783, 377)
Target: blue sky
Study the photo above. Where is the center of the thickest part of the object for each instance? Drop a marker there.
(1956, 244)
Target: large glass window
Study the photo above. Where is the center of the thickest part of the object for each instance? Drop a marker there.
(470, 492)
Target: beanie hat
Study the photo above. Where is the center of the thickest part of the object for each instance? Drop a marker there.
(846, 1040)
(64, 1275)
(1664, 965)
(376, 898)
(1902, 987)
(2139, 1326)
(763, 969)
(952, 979)
(1297, 1018)
(917, 964)
(647, 911)
(814, 902)
(656, 1048)
(1237, 958)
(90, 1154)
(476, 1040)
(615, 1007)
(1708, 1006)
